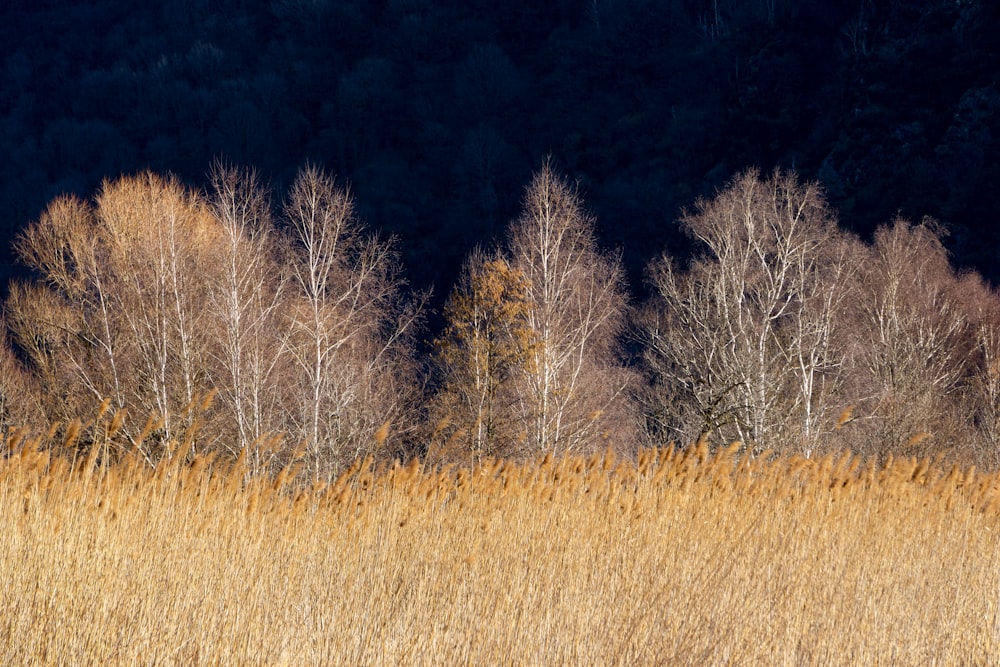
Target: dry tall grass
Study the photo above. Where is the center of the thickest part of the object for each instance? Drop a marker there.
(685, 558)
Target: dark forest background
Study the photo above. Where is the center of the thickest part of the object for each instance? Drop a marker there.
(436, 112)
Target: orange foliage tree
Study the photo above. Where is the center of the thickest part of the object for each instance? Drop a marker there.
(487, 343)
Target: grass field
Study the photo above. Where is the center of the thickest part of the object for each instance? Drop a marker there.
(684, 557)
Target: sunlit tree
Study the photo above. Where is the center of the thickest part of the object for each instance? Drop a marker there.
(486, 346)
(748, 342)
(575, 395)
(350, 328)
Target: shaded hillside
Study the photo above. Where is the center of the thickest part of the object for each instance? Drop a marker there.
(437, 112)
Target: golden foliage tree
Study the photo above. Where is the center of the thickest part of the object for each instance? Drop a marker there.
(486, 345)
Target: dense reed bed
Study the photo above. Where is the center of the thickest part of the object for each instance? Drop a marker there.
(681, 557)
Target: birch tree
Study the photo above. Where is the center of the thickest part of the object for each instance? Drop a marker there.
(119, 311)
(155, 296)
(746, 343)
(914, 337)
(160, 237)
(982, 390)
(246, 300)
(350, 329)
(575, 393)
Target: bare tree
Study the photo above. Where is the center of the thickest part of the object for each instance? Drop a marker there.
(246, 298)
(156, 296)
(160, 239)
(68, 325)
(914, 337)
(118, 313)
(349, 329)
(744, 345)
(19, 400)
(575, 393)
(981, 386)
